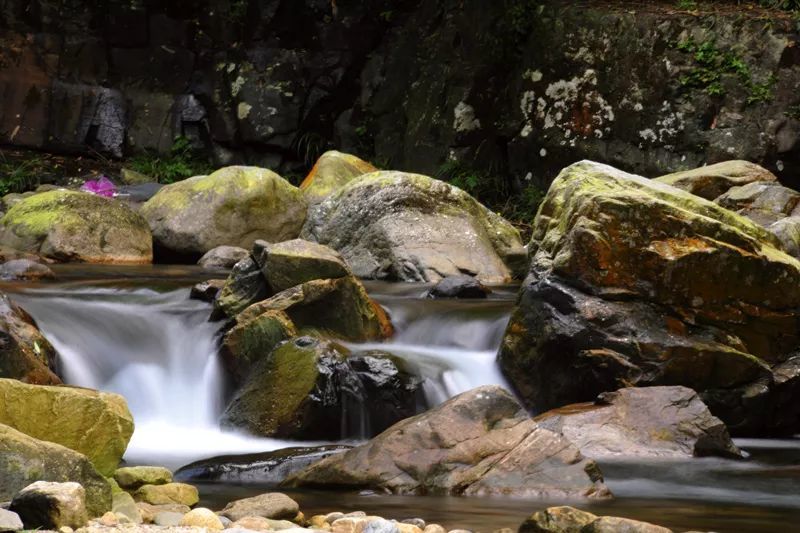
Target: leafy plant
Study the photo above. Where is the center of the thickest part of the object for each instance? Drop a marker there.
(182, 162)
(19, 176)
(688, 5)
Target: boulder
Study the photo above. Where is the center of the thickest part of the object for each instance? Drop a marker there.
(25, 460)
(712, 181)
(222, 257)
(295, 262)
(633, 282)
(70, 226)
(481, 442)
(459, 287)
(308, 389)
(570, 520)
(51, 505)
(25, 354)
(408, 227)
(652, 422)
(274, 505)
(10, 521)
(233, 206)
(96, 424)
(332, 171)
(25, 269)
(207, 291)
(202, 517)
(268, 468)
(245, 286)
(253, 339)
(167, 494)
(133, 477)
(762, 202)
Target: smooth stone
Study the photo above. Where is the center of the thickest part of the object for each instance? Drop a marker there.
(25, 269)
(149, 511)
(459, 287)
(169, 518)
(207, 291)
(10, 521)
(133, 477)
(222, 257)
(170, 493)
(202, 517)
(51, 505)
(270, 505)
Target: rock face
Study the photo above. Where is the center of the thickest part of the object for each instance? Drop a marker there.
(71, 226)
(222, 257)
(332, 171)
(409, 227)
(711, 181)
(51, 505)
(25, 354)
(273, 505)
(655, 422)
(96, 424)
(571, 520)
(295, 262)
(233, 206)
(481, 442)
(614, 298)
(310, 389)
(25, 460)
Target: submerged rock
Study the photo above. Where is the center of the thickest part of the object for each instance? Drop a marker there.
(222, 257)
(274, 505)
(481, 442)
(332, 171)
(291, 263)
(712, 181)
(96, 424)
(70, 226)
(25, 269)
(25, 354)
(570, 520)
(409, 227)
(654, 422)
(233, 206)
(459, 287)
(51, 505)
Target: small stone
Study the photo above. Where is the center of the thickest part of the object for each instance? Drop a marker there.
(177, 493)
(227, 522)
(133, 477)
(123, 504)
(333, 517)
(10, 521)
(202, 517)
(50, 505)
(459, 287)
(65, 529)
(125, 519)
(419, 522)
(434, 528)
(149, 511)
(206, 291)
(222, 257)
(259, 523)
(408, 528)
(269, 505)
(109, 519)
(168, 519)
(18, 269)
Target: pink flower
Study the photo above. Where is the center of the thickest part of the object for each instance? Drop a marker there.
(101, 187)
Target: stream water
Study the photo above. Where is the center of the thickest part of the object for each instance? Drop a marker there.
(134, 331)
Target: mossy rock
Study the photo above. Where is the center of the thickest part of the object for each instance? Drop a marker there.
(245, 286)
(25, 460)
(96, 424)
(167, 494)
(332, 171)
(233, 206)
(253, 339)
(294, 262)
(71, 226)
(133, 477)
(26, 354)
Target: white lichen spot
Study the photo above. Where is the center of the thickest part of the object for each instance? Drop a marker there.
(532, 75)
(243, 110)
(464, 118)
(237, 85)
(779, 165)
(638, 107)
(543, 152)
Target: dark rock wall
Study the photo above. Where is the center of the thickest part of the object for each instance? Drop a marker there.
(516, 87)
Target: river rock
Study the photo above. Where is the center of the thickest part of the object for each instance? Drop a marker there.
(409, 227)
(10, 521)
(70, 226)
(481, 442)
(252, 339)
(149, 511)
(245, 286)
(169, 493)
(24, 460)
(294, 262)
(25, 354)
(712, 181)
(459, 287)
(222, 257)
(308, 389)
(206, 291)
(202, 517)
(233, 206)
(275, 505)
(123, 503)
(268, 468)
(133, 477)
(570, 520)
(25, 269)
(97, 424)
(614, 299)
(653, 422)
(51, 505)
(332, 171)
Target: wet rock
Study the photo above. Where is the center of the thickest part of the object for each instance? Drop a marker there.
(25, 354)
(253, 339)
(222, 257)
(233, 206)
(97, 424)
(654, 422)
(712, 181)
(274, 505)
(326, 396)
(136, 195)
(614, 299)
(459, 287)
(207, 291)
(133, 477)
(70, 226)
(263, 468)
(291, 263)
(10, 521)
(51, 505)
(481, 442)
(332, 171)
(408, 227)
(25, 269)
(202, 517)
(570, 520)
(245, 285)
(170, 493)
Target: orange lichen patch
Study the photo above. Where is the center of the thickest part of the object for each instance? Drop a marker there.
(672, 249)
(582, 120)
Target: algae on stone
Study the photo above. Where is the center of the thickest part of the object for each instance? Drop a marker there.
(332, 171)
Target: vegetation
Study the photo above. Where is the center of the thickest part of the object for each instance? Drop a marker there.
(16, 176)
(183, 161)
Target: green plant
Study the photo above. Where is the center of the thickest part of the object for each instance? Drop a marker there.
(19, 176)
(793, 112)
(688, 5)
(183, 161)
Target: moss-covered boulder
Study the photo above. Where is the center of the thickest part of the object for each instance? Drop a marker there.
(308, 389)
(233, 206)
(96, 424)
(570, 520)
(332, 171)
(25, 460)
(133, 477)
(290, 263)
(712, 181)
(634, 282)
(399, 226)
(245, 286)
(167, 494)
(71, 226)
(25, 354)
(254, 338)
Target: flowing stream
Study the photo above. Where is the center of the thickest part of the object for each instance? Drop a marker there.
(136, 332)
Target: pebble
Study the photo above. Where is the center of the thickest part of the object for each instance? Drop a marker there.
(202, 517)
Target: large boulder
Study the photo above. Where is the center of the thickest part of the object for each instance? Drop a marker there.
(233, 206)
(332, 171)
(51, 505)
(71, 226)
(633, 282)
(399, 226)
(25, 354)
(96, 424)
(712, 181)
(653, 422)
(294, 262)
(310, 389)
(25, 460)
(481, 442)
